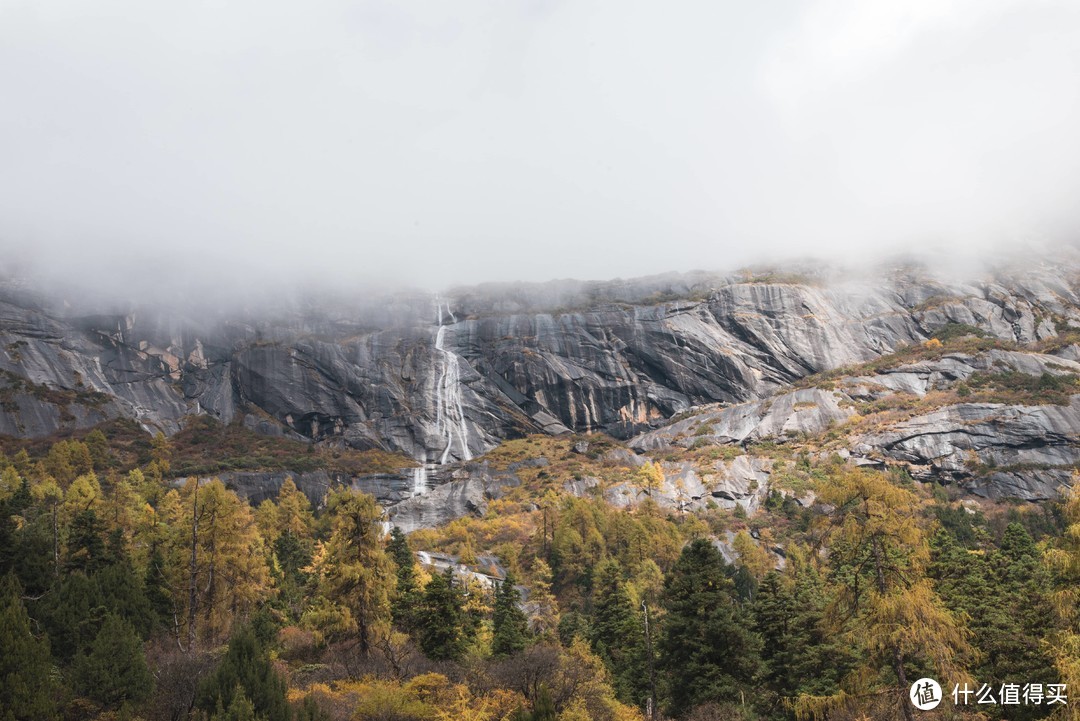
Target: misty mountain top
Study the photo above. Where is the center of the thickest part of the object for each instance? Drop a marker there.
(204, 300)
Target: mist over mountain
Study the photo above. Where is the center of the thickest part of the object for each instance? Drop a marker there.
(262, 145)
(443, 378)
(539, 360)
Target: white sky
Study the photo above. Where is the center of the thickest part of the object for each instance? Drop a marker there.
(435, 143)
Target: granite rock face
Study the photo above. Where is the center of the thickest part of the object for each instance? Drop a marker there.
(1034, 447)
(443, 380)
(993, 450)
(802, 412)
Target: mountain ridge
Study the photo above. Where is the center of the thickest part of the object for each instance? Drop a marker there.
(444, 379)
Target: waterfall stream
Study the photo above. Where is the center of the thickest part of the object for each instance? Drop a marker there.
(419, 480)
(449, 413)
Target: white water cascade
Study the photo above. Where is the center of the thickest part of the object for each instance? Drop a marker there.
(419, 480)
(449, 414)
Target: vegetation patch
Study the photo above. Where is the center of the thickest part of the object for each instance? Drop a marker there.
(954, 331)
(1016, 388)
(205, 447)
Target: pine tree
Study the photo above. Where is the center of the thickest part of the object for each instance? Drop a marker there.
(72, 613)
(354, 568)
(216, 560)
(407, 596)
(114, 671)
(240, 709)
(774, 620)
(707, 649)
(510, 627)
(158, 594)
(86, 549)
(798, 656)
(1064, 562)
(441, 619)
(544, 706)
(883, 604)
(26, 688)
(616, 633)
(123, 594)
(32, 554)
(245, 671)
(311, 711)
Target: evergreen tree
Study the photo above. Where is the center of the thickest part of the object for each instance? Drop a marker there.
(707, 650)
(8, 533)
(123, 594)
(354, 568)
(617, 633)
(72, 613)
(798, 656)
(33, 552)
(86, 542)
(22, 498)
(26, 688)
(774, 620)
(240, 709)
(510, 627)
(114, 670)
(156, 585)
(572, 625)
(544, 706)
(441, 619)
(407, 596)
(293, 555)
(1003, 595)
(1064, 561)
(882, 601)
(245, 671)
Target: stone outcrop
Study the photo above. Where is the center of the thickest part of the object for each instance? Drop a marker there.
(802, 412)
(444, 380)
(1034, 447)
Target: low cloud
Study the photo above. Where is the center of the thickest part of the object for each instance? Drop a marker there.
(146, 148)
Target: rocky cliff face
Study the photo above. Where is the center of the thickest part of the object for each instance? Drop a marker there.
(444, 380)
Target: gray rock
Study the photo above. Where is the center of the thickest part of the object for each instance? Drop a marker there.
(1034, 447)
(806, 411)
(456, 492)
(447, 380)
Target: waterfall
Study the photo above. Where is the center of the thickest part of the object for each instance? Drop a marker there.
(449, 413)
(419, 480)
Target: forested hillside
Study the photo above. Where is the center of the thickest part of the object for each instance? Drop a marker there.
(127, 595)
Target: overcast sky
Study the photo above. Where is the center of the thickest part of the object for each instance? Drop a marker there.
(435, 143)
